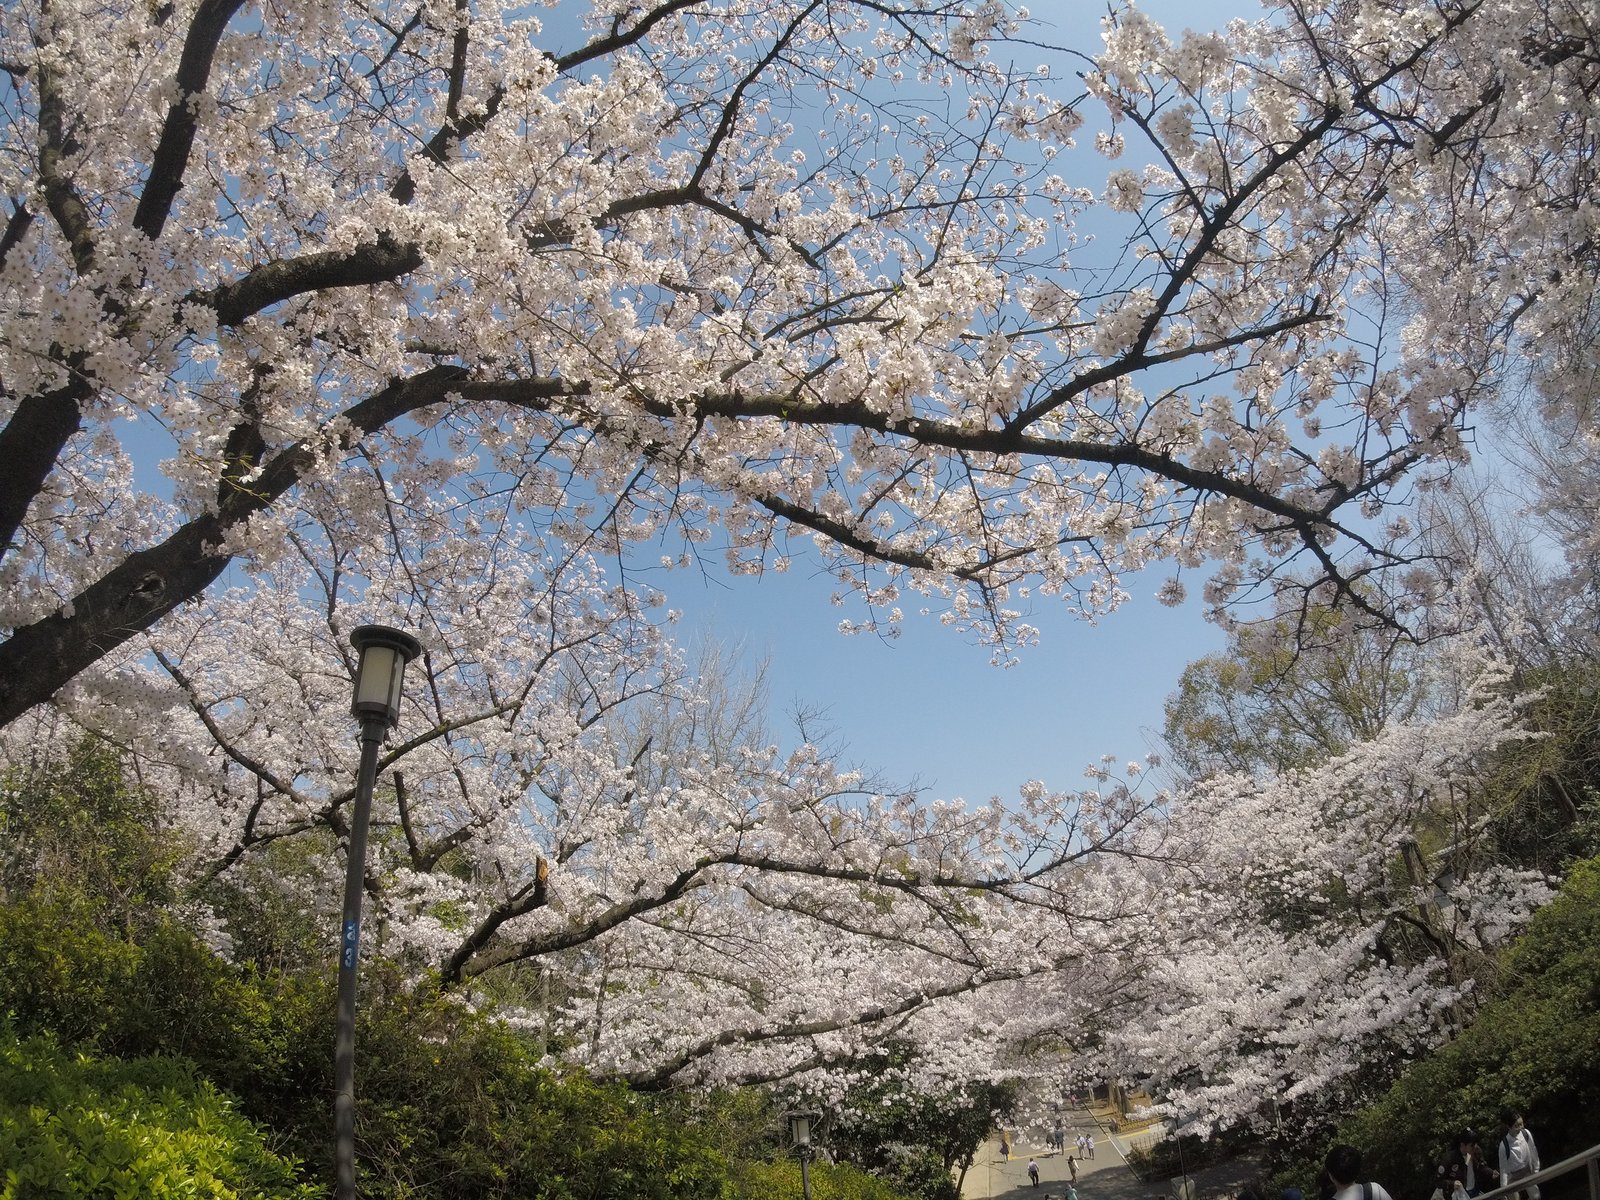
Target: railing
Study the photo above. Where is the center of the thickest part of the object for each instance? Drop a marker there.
(1144, 1141)
(1588, 1159)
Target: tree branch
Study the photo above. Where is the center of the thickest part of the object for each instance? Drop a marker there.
(38, 659)
(30, 443)
(171, 156)
(660, 1076)
(381, 261)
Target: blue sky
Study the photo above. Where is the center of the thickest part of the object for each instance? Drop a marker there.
(929, 706)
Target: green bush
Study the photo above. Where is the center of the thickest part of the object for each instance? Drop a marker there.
(452, 1104)
(77, 831)
(781, 1181)
(62, 974)
(77, 1127)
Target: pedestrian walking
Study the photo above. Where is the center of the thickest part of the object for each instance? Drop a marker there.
(1088, 1146)
(1469, 1166)
(1519, 1157)
(1033, 1172)
(1072, 1168)
(1005, 1147)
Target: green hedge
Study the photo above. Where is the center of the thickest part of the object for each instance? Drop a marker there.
(781, 1181)
(83, 1128)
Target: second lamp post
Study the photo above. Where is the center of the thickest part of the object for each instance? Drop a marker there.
(800, 1127)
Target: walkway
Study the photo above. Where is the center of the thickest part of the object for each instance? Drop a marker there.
(1104, 1177)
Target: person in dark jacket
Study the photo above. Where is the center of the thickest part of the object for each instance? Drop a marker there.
(1469, 1166)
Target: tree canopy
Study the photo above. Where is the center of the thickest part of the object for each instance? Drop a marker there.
(485, 319)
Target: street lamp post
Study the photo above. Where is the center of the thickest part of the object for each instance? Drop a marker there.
(380, 673)
(800, 1124)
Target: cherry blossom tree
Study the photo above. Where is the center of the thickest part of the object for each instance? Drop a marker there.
(798, 275)
(1297, 936)
(568, 800)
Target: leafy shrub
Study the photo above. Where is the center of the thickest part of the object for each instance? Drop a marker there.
(781, 1181)
(165, 993)
(78, 832)
(450, 1103)
(77, 1127)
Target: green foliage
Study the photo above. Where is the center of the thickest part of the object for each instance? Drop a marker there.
(1537, 1049)
(261, 900)
(452, 1104)
(166, 993)
(77, 1127)
(79, 834)
(780, 1180)
(918, 1172)
(1549, 786)
(1287, 695)
(742, 1124)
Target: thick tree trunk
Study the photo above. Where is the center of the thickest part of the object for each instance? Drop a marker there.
(30, 443)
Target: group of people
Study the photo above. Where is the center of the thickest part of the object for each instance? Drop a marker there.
(1058, 1144)
(1058, 1141)
(1033, 1178)
(1463, 1174)
(1466, 1172)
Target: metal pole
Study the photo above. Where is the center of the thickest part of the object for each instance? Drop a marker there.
(805, 1174)
(344, 1056)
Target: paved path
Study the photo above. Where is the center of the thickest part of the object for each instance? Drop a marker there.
(1104, 1177)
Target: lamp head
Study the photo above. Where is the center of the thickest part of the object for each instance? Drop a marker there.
(800, 1126)
(380, 670)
